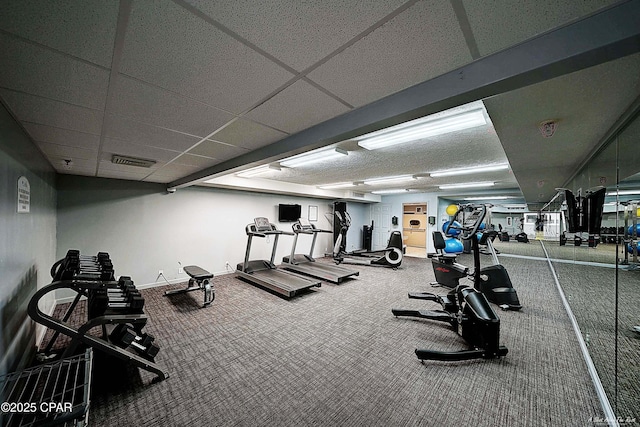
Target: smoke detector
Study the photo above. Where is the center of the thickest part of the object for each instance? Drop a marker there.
(548, 128)
(132, 161)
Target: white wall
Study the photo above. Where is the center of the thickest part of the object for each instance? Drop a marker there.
(145, 230)
(397, 200)
(27, 245)
(360, 215)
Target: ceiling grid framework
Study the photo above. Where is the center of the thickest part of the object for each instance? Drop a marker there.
(200, 86)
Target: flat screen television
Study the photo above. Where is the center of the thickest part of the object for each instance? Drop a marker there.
(289, 213)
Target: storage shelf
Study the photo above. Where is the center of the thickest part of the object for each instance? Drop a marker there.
(65, 383)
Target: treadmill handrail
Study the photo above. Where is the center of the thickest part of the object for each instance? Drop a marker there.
(250, 230)
(298, 227)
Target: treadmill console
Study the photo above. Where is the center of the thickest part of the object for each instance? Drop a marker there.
(262, 224)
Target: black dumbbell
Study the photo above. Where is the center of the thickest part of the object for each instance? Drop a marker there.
(124, 336)
(101, 305)
(121, 291)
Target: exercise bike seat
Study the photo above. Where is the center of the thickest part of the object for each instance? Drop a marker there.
(440, 244)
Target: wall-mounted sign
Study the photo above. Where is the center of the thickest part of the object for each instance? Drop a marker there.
(24, 195)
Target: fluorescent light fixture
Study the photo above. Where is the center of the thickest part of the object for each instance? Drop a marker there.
(390, 179)
(398, 190)
(313, 157)
(422, 128)
(624, 192)
(490, 198)
(337, 185)
(467, 171)
(249, 173)
(466, 185)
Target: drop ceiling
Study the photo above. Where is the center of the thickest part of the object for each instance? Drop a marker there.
(208, 88)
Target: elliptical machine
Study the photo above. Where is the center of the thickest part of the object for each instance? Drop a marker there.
(466, 309)
(391, 256)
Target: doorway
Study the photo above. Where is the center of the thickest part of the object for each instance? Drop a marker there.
(414, 229)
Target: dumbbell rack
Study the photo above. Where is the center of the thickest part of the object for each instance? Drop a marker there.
(80, 336)
(66, 380)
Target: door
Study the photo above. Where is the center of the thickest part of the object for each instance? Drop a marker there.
(381, 217)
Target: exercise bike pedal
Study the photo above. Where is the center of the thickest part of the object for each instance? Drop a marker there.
(439, 315)
(423, 295)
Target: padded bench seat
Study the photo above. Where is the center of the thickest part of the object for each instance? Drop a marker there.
(199, 279)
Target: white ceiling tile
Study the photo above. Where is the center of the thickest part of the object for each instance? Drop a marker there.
(171, 172)
(74, 171)
(68, 80)
(247, 134)
(194, 161)
(65, 137)
(67, 152)
(176, 169)
(44, 111)
(84, 166)
(297, 107)
(172, 48)
(298, 33)
(143, 134)
(130, 175)
(82, 28)
(116, 146)
(217, 150)
(162, 179)
(503, 23)
(417, 45)
(157, 107)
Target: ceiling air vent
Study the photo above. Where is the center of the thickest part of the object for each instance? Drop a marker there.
(357, 195)
(132, 161)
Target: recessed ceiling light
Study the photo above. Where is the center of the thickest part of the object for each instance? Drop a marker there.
(490, 198)
(389, 179)
(466, 185)
(337, 185)
(467, 171)
(624, 192)
(422, 128)
(249, 173)
(313, 157)
(395, 191)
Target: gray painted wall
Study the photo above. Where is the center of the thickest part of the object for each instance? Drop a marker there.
(397, 200)
(146, 230)
(27, 246)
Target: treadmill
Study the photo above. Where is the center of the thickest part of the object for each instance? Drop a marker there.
(306, 264)
(264, 273)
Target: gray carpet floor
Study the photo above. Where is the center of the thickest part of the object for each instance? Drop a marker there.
(336, 356)
(590, 291)
(591, 294)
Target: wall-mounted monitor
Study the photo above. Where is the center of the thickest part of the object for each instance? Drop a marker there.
(289, 213)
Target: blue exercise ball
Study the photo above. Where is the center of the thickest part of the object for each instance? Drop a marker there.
(452, 231)
(453, 246)
(630, 248)
(630, 230)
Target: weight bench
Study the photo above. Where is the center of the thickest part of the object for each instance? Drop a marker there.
(199, 279)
